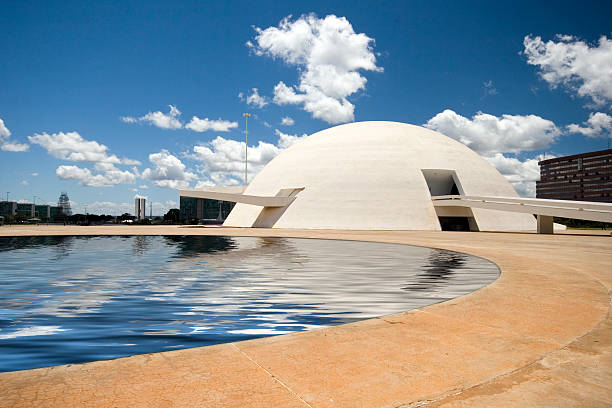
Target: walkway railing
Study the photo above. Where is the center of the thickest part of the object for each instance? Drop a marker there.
(544, 209)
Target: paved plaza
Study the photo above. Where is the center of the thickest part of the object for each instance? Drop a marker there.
(541, 335)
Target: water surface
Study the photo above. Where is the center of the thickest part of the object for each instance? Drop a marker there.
(76, 299)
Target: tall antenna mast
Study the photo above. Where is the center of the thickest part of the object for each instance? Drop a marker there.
(246, 146)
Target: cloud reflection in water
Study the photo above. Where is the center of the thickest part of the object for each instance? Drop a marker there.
(106, 297)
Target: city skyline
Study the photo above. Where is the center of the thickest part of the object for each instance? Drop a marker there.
(110, 101)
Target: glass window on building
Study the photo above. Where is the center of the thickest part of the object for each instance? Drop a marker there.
(188, 209)
(195, 210)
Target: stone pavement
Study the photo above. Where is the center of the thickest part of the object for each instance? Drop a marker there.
(541, 335)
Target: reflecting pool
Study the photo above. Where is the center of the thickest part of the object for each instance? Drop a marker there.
(75, 299)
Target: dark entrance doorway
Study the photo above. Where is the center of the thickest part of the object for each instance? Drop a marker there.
(454, 223)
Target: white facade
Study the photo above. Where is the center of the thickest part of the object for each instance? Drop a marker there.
(376, 175)
(140, 208)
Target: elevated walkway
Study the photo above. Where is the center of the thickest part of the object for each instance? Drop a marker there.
(545, 210)
(282, 199)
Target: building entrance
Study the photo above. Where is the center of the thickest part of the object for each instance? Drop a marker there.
(445, 182)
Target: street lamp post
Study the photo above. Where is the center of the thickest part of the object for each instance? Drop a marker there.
(246, 147)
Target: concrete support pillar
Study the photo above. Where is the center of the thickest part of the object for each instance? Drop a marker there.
(545, 224)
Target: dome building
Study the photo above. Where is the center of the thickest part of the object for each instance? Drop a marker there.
(376, 175)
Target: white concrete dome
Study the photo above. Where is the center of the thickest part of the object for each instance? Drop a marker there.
(376, 175)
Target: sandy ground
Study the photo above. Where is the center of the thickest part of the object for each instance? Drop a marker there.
(541, 335)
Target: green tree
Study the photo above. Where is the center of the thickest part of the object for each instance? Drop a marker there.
(173, 216)
(125, 217)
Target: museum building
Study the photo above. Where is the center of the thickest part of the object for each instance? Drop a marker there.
(369, 176)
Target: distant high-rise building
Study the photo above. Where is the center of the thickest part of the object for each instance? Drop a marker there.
(582, 177)
(140, 208)
(64, 204)
(26, 209)
(42, 211)
(8, 207)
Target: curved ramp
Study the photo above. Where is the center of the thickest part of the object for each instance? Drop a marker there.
(544, 209)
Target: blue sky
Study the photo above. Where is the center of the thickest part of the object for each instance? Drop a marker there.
(86, 88)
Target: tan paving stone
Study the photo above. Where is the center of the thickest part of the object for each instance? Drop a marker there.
(411, 358)
(539, 336)
(578, 375)
(217, 376)
(559, 320)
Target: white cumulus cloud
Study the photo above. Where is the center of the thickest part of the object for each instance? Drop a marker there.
(222, 160)
(581, 68)
(4, 132)
(104, 166)
(130, 162)
(599, 124)
(329, 56)
(489, 134)
(71, 146)
(521, 174)
(254, 99)
(171, 120)
(285, 140)
(108, 178)
(287, 121)
(492, 136)
(162, 120)
(6, 144)
(167, 171)
(202, 125)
